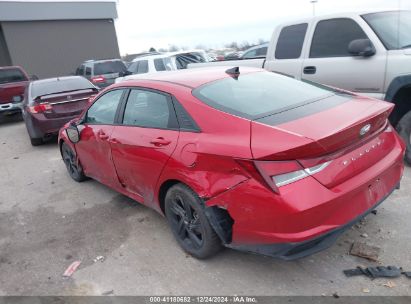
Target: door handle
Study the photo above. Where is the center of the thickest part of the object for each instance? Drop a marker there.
(309, 70)
(160, 141)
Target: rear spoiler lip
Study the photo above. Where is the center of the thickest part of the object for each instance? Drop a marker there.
(57, 93)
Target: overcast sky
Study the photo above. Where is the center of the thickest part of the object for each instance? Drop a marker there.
(213, 23)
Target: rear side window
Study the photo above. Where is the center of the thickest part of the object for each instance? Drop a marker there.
(150, 110)
(290, 42)
(103, 110)
(88, 71)
(11, 75)
(332, 37)
(142, 67)
(259, 94)
(159, 64)
(109, 67)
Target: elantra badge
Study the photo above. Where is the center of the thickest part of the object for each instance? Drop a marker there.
(364, 130)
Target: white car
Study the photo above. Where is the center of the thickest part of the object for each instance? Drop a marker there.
(165, 62)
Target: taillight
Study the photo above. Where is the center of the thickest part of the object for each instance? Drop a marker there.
(290, 177)
(91, 98)
(276, 174)
(98, 79)
(40, 108)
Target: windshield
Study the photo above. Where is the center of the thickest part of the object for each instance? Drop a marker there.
(259, 94)
(393, 28)
(42, 88)
(11, 75)
(109, 67)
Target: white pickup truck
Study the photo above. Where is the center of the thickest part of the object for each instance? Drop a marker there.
(367, 53)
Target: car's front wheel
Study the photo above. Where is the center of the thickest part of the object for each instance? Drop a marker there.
(189, 224)
(404, 130)
(73, 166)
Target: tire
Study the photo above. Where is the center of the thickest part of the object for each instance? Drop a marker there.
(189, 224)
(36, 141)
(404, 130)
(73, 166)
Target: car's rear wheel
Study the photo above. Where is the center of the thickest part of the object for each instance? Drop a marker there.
(73, 166)
(189, 224)
(36, 141)
(404, 129)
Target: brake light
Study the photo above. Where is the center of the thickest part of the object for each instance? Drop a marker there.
(91, 98)
(288, 178)
(40, 108)
(98, 79)
(275, 174)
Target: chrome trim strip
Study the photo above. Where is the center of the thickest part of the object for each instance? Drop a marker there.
(67, 101)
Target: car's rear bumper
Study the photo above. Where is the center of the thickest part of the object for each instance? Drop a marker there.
(293, 251)
(40, 126)
(10, 108)
(306, 216)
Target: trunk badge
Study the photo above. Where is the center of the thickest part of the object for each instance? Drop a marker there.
(364, 130)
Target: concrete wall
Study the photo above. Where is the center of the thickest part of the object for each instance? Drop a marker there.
(56, 47)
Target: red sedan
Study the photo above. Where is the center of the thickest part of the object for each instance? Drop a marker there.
(244, 158)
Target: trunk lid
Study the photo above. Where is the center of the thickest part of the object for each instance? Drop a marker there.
(326, 130)
(66, 104)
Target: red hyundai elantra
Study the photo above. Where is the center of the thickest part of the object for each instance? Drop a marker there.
(244, 158)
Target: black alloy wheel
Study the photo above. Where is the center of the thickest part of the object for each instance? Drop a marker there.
(189, 223)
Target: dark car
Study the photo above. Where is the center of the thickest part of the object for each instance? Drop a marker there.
(102, 73)
(253, 160)
(50, 103)
(13, 83)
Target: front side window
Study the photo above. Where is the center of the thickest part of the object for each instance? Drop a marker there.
(80, 70)
(103, 110)
(290, 42)
(332, 37)
(88, 71)
(393, 28)
(149, 109)
(11, 75)
(259, 94)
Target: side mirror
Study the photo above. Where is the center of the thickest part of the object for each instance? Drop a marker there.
(361, 47)
(34, 77)
(73, 133)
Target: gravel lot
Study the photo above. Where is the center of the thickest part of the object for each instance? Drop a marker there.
(47, 221)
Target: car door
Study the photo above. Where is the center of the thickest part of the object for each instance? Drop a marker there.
(329, 62)
(144, 142)
(93, 148)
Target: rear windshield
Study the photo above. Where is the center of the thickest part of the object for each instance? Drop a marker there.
(42, 88)
(11, 75)
(259, 94)
(109, 67)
